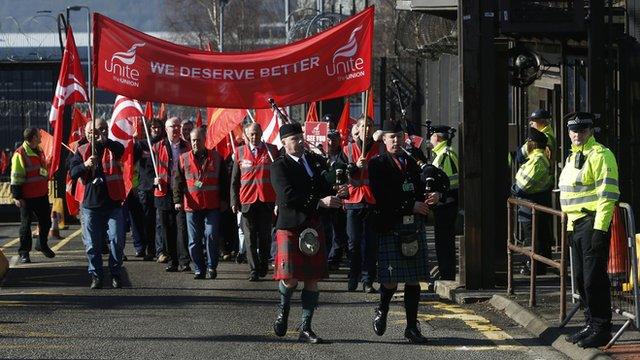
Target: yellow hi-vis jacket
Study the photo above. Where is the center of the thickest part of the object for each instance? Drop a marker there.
(551, 142)
(533, 176)
(592, 188)
(447, 160)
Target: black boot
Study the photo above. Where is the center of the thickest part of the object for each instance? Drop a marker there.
(597, 338)
(380, 322)
(309, 301)
(281, 323)
(579, 335)
(411, 301)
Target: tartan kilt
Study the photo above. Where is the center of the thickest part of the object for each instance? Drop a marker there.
(393, 267)
(291, 263)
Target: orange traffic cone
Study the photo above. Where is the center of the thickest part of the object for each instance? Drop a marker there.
(618, 252)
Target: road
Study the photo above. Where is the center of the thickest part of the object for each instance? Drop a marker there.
(48, 311)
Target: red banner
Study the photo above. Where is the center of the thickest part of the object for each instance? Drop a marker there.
(316, 133)
(333, 63)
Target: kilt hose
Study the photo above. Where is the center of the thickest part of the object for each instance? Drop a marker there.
(393, 267)
(291, 263)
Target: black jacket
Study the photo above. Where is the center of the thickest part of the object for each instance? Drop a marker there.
(144, 165)
(387, 182)
(297, 194)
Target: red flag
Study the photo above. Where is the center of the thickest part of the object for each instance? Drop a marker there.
(47, 145)
(344, 125)
(370, 108)
(69, 89)
(72, 204)
(78, 121)
(126, 113)
(312, 114)
(162, 112)
(220, 123)
(198, 119)
(3, 162)
(148, 111)
(270, 123)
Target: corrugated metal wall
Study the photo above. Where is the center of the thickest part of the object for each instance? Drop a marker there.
(441, 92)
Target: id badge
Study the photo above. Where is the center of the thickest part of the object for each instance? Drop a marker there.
(44, 172)
(198, 184)
(407, 220)
(407, 187)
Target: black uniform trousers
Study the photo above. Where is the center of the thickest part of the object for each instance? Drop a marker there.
(445, 233)
(256, 225)
(590, 273)
(40, 207)
(174, 229)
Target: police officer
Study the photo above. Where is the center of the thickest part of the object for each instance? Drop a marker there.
(301, 190)
(102, 183)
(198, 184)
(588, 193)
(362, 243)
(445, 214)
(252, 195)
(30, 190)
(539, 120)
(400, 208)
(533, 183)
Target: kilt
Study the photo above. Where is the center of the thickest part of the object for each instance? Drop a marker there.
(291, 263)
(393, 267)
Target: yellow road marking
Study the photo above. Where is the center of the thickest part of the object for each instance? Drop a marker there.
(66, 240)
(10, 243)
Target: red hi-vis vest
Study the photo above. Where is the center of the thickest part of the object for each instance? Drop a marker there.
(359, 189)
(112, 168)
(255, 174)
(203, 191)
(164, 172)
(35, 185)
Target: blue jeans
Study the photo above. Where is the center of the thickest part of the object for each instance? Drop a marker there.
(158, 235)
(203, 225)
(362, 245)
(98, 226)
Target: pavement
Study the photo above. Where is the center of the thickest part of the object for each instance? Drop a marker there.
(48, 311)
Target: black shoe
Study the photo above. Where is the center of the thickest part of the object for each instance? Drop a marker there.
(254, 277)
(96, 283)
(352, 285)
(116, 282)
(199, 276)
(308, 336)
(368, 288)
(184, 268)
(241, 258)
(25, 259)
(280, 325)
(415, 336)
(380, 322)
(596, 338)
(147, 258)
(140, 254)
(171, 268)
(263, 272)
(579, 335)
(212, 273)
(46, 251)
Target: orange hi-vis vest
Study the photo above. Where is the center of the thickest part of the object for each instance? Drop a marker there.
(359, 189)
(255, 174)
(35, 184)
(203, 192)
(164, 171)
(112, 169)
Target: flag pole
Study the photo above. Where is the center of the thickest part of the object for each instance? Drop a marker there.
(364, 138)
(153, 157)
(261, 136)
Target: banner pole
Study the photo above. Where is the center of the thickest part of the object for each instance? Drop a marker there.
(261, 136)
(153, 157)
(364, 138)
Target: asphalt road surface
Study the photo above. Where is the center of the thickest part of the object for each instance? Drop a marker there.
(48, 311)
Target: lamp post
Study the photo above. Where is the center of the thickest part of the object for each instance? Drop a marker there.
(222, 4)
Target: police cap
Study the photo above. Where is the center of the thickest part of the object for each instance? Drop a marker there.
(537, 136)
(540, 114)
(579, 120)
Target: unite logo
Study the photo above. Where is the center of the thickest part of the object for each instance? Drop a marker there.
(349, 67)
(120, 66)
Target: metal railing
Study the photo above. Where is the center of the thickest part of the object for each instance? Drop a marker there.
(531, 253)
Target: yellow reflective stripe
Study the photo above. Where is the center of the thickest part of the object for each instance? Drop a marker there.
(577, 188)
(35, 179)
(255, 181)
(579, 200)
(609, 195)
(202, 188)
